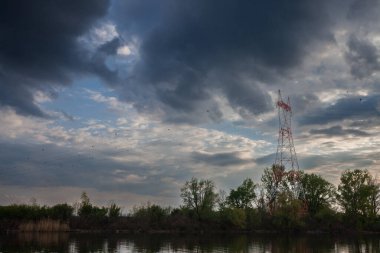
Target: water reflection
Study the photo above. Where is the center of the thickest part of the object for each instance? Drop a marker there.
(114, 243)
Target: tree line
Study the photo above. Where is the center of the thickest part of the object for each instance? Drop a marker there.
(283, 200)
(290, 200)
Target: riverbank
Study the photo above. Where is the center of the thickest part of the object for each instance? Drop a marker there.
(128, 225)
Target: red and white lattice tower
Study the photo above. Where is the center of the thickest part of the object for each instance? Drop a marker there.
(286, 156)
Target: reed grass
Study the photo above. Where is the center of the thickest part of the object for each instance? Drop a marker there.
(44, 225)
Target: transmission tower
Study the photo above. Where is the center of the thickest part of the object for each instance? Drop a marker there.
(285, 169)
(286, 156)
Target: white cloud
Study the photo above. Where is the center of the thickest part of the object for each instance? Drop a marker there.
(162, 151)
(106, 32)
(124, 50)
(110, 101)
(99, 35)
(41, 97)
(121, 177)
(157, 156)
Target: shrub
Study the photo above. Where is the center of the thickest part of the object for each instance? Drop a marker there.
(233, 218)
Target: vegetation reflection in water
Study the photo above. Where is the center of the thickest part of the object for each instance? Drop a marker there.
(81, 243)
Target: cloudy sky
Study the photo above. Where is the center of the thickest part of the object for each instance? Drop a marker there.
(128, 99)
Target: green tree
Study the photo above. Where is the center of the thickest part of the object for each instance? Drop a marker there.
(289, 211)
(358, 193)
(85, 207)
(233, 217)
(317, 192)
(374, 198)
(273, 183)
(61, 211)
(199, 195)
(114, 211)
(85, 200)
(150, 216)
(243, 196)
(87, 210)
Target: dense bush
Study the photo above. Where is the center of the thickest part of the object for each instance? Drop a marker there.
(150, 216)
(61, 212)
(234, 218)
(114, 211)
(34, 212)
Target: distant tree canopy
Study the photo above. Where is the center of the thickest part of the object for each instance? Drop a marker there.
(34, 212)
(285, 200)
(114, 211)
(358, 193)
(317, 192)
(199, 195)
(272, 183)
(243, 196)
(277, 182)
(87, 210)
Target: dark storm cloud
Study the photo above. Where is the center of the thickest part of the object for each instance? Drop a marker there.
(372, 122)
(364, 11)
(246, 98)
(220, 159)
(49, 165)
(353, 108)
(266, 160)
(303, 101)
(342, 160)
(110, 47)
(39, 47)
(339, 131)
(194, 49)
(362, 56)
(313, 161)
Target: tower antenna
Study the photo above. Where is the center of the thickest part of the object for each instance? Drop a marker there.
(286, 155)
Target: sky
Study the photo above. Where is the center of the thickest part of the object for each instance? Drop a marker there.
(128, 99)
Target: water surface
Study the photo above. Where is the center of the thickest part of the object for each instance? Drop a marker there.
(116, 243)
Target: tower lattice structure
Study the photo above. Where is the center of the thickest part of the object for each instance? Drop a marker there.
(286, 156)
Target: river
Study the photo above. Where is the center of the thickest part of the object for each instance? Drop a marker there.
(117, 243)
